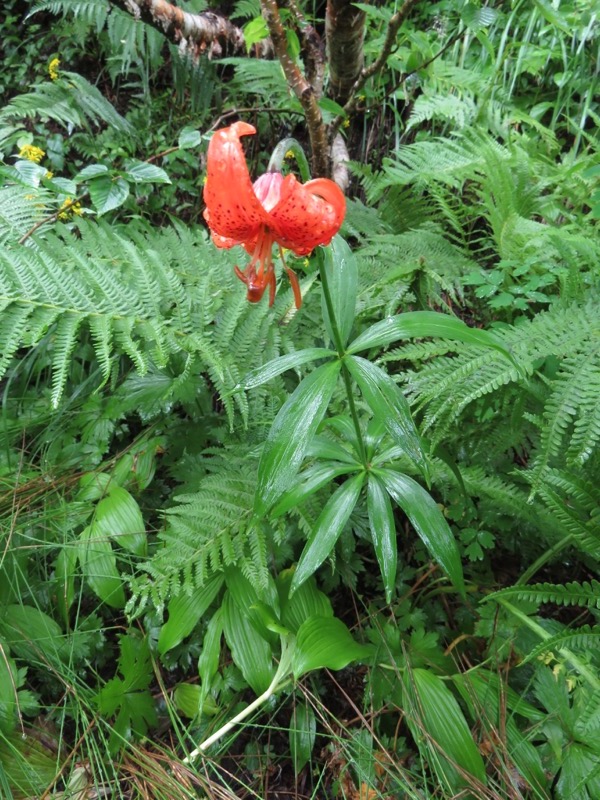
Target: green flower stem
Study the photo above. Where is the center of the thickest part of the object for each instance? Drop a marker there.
(280, 152)
(280, 679)
(539, 563)
(583, 669)
(339, 346)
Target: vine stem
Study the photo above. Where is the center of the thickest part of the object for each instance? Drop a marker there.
(339, 346)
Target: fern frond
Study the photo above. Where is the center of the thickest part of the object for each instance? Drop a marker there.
(584, 638)
(210, 529)
(91, 12)
(586, 594)
(127, 290)
(70, 100)
(443, 107)
(265, 79)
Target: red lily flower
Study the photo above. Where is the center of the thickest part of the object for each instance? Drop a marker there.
(276, 209)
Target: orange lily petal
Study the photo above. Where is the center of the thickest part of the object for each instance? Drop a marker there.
(307, 214)
(233, 212)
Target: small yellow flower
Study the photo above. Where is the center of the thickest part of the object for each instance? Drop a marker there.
(31, 153)
(49, 175)
(53, 68)
(290, 154)
(306, 262)
(346, 123)
(69, 208)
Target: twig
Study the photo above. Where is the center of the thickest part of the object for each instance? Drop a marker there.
(390, 39)
(302, 89)
(53, 217)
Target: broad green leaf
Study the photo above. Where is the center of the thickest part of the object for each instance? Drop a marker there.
(185, 612)
(439, 728)
(189, 137)
(99, 566)
(32, 635)
(326, 642)
(339, 262)
(303, 729)
(291, 432)
(208, 661)
(248, 599)
(427, 520)
(388, 404)
(311, 480)
(255, 31)
(250, 652)
(63, 185)
(420, 324)
(275, 367)
(142, 172)
(93, 486)
(331, 107)
(487, 701)
(28, 765)
(307, 601)
(8, 690)
(383, 532)
(64, 571)
(91, 171)
(328, 528)
(107, 193)
(118, 515)
(30, 173)
(190, 701)
(293, 43)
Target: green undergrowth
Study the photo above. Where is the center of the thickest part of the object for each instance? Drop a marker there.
(366, 531)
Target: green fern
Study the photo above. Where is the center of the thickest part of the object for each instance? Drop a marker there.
(149, 295)
(70, 100)
(210, 529)
(586, 594)
(584, 638)
(91, 12)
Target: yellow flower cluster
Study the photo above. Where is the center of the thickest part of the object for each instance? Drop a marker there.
(53, 68)
(69, 208)
(290, 154)
(31, 153)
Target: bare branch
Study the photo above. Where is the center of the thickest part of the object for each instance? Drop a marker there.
(194, 34)
(302, 89)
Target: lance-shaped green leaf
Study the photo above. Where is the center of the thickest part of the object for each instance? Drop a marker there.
(291, 432)
(328, 528)
(119, 516)
(441, 731)
(185, 611)
(388, 404)
(383, 532)
(99, 566)
(275, 367)
(303, 729)
(250, 652)
(311, 480)
(427, 520)
(342, 277)
(326, 642)
(417, 324)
